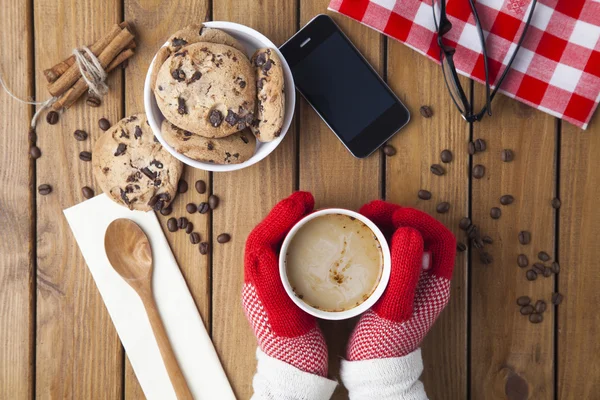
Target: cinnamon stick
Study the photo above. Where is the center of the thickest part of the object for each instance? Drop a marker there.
(71, 76)
(79, 88)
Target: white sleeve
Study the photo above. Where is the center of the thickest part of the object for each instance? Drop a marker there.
(385, 378)
(277, 380)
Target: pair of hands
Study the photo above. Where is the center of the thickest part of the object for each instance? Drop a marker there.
(393, 327)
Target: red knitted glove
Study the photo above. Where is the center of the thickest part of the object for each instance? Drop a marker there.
(398, 322)
(283, 330)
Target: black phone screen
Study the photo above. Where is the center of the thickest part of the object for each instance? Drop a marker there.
(345, 90)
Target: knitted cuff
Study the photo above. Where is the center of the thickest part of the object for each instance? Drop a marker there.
(385, 378)
(276, 379)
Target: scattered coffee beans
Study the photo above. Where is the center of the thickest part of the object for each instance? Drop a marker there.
(203, 248)
(80, 135)
(443, 207)
(389, 150)
(485, 258)
(213, 201)
(477, 243)
(543, 256)
(172, 225)
(166, 211)
(191, 208)
(85, 156)
(507, 155)
(44, 189)
(195, 237)
(437, 169)
(426, 111)
(182, 186)
(536, 318)
(478, 171)
(480, 145)
(446, 156)
(182, 223)
(522, 260)
(556, 203)
(555, 267)
(203, 208)
(52, 117)
(223, 238)
(473, 231)
(523, 300)
(460, 247)
(200, 186)
(495, 213)
(547, 272)
(524, 237)
(35, 152)
(464, 223)
(506, 199)
(87, 192)
(487, 240)
(531, 275)
(540, 306)
(539, 268)
(527, 309)
(471, 148)
(557, 298)
(32, 135)
(104, 124)
(93, 101)
(424, 194)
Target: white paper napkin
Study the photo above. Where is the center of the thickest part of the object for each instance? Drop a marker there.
(191, 343)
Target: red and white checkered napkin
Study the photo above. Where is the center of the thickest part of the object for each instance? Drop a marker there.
(557, 70)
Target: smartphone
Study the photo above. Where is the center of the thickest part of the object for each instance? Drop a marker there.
(342, 87)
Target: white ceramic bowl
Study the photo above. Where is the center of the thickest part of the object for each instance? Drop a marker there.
(330, 315)
(252, 40)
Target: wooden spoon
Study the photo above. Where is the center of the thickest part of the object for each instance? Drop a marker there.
(130, 254)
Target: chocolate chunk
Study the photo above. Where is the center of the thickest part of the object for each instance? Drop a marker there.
(137, 133)
(231, 118)
(156, 163)
(267, 66)
(181, 107)
(244, 138)
(196, 76)
(121, 149)
(260, 59)
(149, 173)
(178, 74)
(124, 196)
(215, 118)
(178, 42)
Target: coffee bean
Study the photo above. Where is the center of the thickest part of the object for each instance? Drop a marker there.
(52, 117)
(389, 150)
(495, 213)
(104, 124)
(531, 275)
(32, 134)
(539, 268)
(44, 189)
(547, 272)
(437, 169)
(93, 101)
(507, 155)
(478, 171)
(213, 201)
(556, 203)
(480, 145)
(191, 208)
(471, 148)
(524, 237)
(443, 207)
(506, 199)
(80, 135)
(536, 318)
(182, 186)
(555, 267)
(523, 300)
(486, 258)
(203, 208)
(85, 156)
(464, 223)
(477, 243)
(172, 225)
(35, 152)
(426, 111)
(460, 247)
(527, 310)
(540, 306)
(166, 211)
(203, 248)
(87, 192)
(182, 223)
(223, 238)
(543, 256)
(488, 240)
(424, 194)
(557, 298)
(195, 237)
(200, 187)
(446, 156)
(190, 228)
(522, 261)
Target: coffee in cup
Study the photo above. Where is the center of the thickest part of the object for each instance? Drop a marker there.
(334, 262)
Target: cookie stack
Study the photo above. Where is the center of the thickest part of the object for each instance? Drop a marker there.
(217, 102)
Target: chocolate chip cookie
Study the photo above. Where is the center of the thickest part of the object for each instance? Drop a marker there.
(207, 89)
(233, 149)
(271, 96)
(133, 168)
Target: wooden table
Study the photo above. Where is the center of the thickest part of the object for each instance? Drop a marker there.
(57, 340)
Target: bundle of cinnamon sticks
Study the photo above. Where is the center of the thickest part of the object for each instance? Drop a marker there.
(64, 79)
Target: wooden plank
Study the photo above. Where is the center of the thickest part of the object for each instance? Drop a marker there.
(154, 23)
(246, 197)
(418, 81)
(329, 171)
(17, 239)
(78, 352)
(578, 356)
(505, 346)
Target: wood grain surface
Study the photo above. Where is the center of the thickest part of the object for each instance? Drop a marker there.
(418, 146)
(17, 208)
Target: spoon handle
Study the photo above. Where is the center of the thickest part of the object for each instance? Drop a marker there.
(166, 350)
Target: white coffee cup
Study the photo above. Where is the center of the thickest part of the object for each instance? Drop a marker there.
(352, 312)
